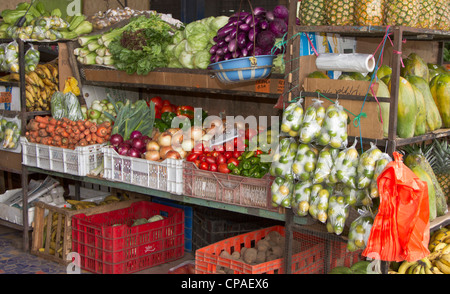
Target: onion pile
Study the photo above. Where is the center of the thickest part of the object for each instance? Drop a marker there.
(248, 34)
(134, 147)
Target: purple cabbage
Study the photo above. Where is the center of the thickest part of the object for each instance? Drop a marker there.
(280, 11)
(278, 27)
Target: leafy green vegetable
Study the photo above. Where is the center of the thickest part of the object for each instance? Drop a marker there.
(133, 117)
(141, 47)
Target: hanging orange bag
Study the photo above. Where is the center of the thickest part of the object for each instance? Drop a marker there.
(401, 228)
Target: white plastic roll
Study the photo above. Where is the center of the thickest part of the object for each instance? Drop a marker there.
(351, 62)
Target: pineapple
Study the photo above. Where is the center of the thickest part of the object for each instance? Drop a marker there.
(369, 12)
(312, 13)
(340, 12)
(427, 14)
(442, 15)
(401, 13)
(440, 158)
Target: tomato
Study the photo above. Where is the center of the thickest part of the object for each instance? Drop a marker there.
(192, 157)
(215, 153)
(166, 102)
(202, 157)
(221, 159)
(229, 146)
(233, 161)
(228, 154)
(237, 153)
(239, 144)
(219, 148)
(204, 165)
(197, 162)
(157, 112)
(212, 167)
(210, 159)
(158, 102)
(166, 108)
(223, 168)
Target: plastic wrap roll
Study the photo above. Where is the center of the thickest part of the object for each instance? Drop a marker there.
(352, 62)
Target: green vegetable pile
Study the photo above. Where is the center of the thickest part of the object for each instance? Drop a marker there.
(140, 47)
(190, 47)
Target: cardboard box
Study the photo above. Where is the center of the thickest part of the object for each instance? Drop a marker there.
(371, 125)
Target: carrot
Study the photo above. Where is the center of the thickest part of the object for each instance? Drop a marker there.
(82, 128)
(42, 125)
(82, 135)
(42, 133)
(41, 119)
(65, 134)
(46, 140)
(38, 139)
(87, 132)
(88, 137)
(93, 128)
(34, 134)
(94, 137)
(57, 138)
(100, 140)
(64, 141)
(33, 125)
(87, 124)
(102, 131)
(82, 142)
(50, 128)
(106, 124)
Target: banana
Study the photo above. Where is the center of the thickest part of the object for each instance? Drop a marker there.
(36, 78)
(426, 262)
(46, 72)
(442, 267)
(434, 255)
(428, 271)
(29, 95)
(405, 266)
(14, 76)
(416, 269)
(40, 72)
(53, 69)
(48, 82)
(445, 258)
(435, 270)
(441, 236)
(446, 249)
(111, 198)
(30, 80)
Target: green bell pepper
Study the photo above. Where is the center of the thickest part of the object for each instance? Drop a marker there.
(167, 117)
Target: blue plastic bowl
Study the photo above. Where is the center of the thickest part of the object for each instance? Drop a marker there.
(242, 72)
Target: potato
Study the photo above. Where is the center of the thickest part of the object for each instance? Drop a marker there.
(235, 255)
(225, 254)
(260, 257)
(263, 245)
(277, 251)
(250, 255)
(274, 237)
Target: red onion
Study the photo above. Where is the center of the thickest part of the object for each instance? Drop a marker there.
(116, 139)
(135, 134)
(123, 149)
(138, 143)
(133, 152)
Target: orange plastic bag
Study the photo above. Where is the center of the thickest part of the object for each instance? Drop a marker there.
(401, 228)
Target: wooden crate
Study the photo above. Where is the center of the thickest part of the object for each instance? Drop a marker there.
(61, 221)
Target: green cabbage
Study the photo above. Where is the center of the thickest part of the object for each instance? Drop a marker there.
(202, 59)
(198, 42)
(196, 27)
(186, 59)
(218, 22)
(179, 48)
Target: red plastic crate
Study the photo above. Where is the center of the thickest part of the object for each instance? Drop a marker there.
(340, 256)
(309, 260)
(107, 243)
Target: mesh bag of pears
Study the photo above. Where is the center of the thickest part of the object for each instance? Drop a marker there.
(359, 231)
(281, 168)
(292, 119)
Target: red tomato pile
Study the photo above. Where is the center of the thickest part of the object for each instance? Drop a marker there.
(162, 106)
(217, 158)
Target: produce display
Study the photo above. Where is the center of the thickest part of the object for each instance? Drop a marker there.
(9, 58)
(40, 24)
(9, 133)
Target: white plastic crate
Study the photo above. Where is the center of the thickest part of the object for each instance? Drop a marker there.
(77, 162)
(166, 175)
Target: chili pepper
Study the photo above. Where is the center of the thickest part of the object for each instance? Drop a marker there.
(264, 168)
(249, 154)
(253, 169)
(256, 174)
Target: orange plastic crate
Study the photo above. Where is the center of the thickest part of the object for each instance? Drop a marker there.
(309, 260)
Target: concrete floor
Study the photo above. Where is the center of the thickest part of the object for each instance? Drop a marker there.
(14, 260)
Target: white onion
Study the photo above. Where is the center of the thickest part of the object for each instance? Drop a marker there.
(165, 139)
(163, 151)
(197, 133)
(173, 154)
(152, 155)
(187, 145)
(152, 146)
